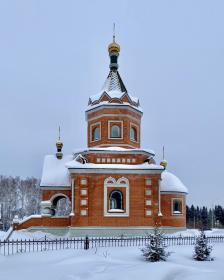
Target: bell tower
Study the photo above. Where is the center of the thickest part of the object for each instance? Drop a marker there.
(113, 116)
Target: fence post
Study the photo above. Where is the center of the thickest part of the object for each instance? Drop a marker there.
(86, 243)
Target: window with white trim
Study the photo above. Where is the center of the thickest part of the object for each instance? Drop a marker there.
(96, 133)
(133, 134)
(116, 197)
(177, 206)
(115, 131)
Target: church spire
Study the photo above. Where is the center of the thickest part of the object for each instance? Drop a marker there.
(114, 50)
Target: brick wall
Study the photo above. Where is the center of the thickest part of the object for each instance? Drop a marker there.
(104, 117)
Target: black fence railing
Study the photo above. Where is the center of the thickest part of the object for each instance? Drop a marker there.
(11, 247)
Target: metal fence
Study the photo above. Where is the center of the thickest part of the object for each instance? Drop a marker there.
(11, 247)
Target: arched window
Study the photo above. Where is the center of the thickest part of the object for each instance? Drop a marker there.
(115, 131)
(133, 134)
(177, 206)
(96, 133)
(116, 200)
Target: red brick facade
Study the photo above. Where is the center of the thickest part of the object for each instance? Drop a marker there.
(103, 194)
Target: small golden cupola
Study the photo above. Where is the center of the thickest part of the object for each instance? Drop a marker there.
(59, 145)
(164, 162)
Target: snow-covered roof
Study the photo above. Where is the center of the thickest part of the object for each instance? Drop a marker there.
(145, 166)
(113, 88)
(55, 172)
(171, 183)
(93, 106)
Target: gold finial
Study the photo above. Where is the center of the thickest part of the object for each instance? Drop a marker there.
(59, 145)
(163, 162)
(113, 47)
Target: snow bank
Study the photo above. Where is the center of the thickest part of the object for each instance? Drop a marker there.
(37, 235)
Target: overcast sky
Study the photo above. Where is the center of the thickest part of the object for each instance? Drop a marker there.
(53, 56)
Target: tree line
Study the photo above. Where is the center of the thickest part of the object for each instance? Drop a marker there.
(204, 218)
(19, 197)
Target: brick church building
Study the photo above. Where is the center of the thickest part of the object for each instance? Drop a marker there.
(114, 186)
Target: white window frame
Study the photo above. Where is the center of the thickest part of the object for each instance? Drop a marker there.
(109, 126)
(116, 184)
(182, 204)
(91, 131)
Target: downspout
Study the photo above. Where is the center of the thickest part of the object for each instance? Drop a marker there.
(73, 196)
(159, 199)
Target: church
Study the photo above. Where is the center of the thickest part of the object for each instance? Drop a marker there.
(114, 185)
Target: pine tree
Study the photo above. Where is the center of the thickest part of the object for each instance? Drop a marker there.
(202, 250)
(154, 250)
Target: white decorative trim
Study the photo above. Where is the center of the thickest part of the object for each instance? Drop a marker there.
(148, 192)
(97, 124)
(109, 126)
(148, 182)
(148, 202)
(148, 212)
(83, 202)
(182, 204)
(83, 192)
(120, 183)
(83, 212)
(83, 182)
(115, 145)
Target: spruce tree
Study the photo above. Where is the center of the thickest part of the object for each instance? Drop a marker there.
(154, 250)
(202, 250)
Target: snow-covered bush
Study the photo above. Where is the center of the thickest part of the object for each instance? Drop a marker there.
(202, 250)
(154, 250)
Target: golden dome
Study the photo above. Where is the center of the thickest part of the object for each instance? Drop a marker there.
(59, 144)
(163, 163)
(113, 47)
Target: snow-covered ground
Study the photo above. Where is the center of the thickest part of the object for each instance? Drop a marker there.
(110, 264)
(2, 235)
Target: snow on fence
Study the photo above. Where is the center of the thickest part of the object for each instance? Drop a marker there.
(10, 247)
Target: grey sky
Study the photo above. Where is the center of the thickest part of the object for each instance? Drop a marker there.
(53, 55)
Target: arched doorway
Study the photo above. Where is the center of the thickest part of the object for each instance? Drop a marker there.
(60, 205)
